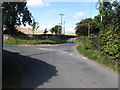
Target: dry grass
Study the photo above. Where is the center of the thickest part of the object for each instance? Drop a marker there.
(29, 31)
(72, 34)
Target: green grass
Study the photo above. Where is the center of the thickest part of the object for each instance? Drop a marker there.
(98, 56)
(32, 42)
(11, 75)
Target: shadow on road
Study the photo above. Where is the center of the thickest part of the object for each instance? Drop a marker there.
(35, 72)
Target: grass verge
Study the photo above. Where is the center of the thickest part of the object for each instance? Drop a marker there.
(32, 42)
(11, 75)
(98, 56)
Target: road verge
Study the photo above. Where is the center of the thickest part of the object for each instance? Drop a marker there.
(84, 48)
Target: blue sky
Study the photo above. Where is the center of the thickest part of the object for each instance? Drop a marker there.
(47, 13)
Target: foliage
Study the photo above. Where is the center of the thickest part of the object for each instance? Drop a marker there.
(86, 47)
(106, 27)
(88, 26)
(92, 42)
(33, 42)
(82, 30)
(15, 14)
(95, 25)
(52, 30)
(110, 31)
(45, 31)
(34, 25)
(57, 29)
(83, 22)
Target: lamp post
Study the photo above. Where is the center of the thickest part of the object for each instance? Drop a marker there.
(61, 19)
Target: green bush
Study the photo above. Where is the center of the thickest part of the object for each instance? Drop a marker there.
(91, 48)
(111, 44)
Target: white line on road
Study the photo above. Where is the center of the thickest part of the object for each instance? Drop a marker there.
(67, 53)
(84, 57)
(47, 49)
(43, 48)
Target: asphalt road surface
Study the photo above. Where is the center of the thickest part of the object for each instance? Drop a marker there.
(60, 66)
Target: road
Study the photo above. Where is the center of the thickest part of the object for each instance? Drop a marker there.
(60, 66)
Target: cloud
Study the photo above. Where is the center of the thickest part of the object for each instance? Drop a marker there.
(37, 3)
(79, 15)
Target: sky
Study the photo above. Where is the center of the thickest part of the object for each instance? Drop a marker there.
(47, 13)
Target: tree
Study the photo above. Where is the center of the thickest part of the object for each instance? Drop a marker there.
(57, 29)
(95, 25)
(15, 14)
(110, 31)
(82, 30)
(88, 26)
(45, 31)
(34, 25)
(52, 30)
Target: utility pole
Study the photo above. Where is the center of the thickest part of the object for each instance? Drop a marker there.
(64, 27)
(88, 29)
(61, 19)
(101, 17)
(101, 2)
(58, 28)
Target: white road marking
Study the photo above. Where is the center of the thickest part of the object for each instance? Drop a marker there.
(43, 48)
(84, 57)
(67, 53)
(47, 49)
